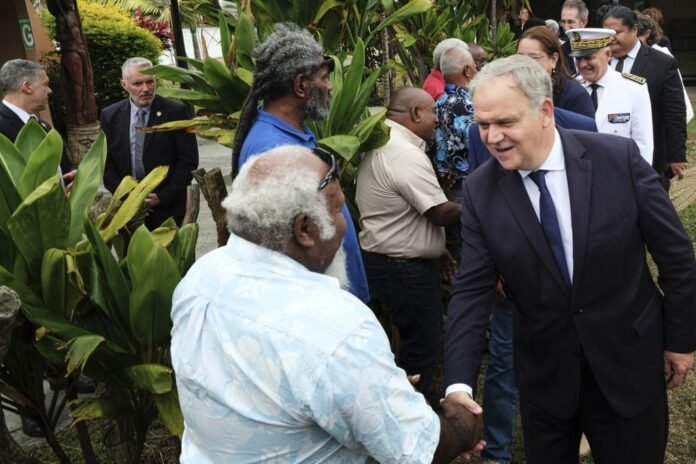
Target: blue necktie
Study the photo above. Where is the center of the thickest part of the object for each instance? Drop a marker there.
(138, 167)
(549, 222)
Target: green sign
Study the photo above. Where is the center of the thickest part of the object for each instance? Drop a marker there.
(27, 35)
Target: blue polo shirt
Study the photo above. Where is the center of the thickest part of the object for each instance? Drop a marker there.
(269, 132)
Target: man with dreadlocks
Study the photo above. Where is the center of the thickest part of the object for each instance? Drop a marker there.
(292, 79)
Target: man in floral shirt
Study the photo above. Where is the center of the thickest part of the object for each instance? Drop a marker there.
(455, 113)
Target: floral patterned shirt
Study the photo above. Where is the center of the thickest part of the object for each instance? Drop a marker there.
(455, 113)
(276, 364)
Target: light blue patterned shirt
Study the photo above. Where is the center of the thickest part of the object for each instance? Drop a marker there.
(276, 364)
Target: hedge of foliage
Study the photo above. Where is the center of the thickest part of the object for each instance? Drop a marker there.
(112, 37)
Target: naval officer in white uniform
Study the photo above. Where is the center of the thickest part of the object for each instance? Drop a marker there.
(622, 101)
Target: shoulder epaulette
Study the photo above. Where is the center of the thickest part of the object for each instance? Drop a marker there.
(634, 78)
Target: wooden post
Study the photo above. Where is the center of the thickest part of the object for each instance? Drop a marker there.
(193, 204)
(10, 451)
(212, 185)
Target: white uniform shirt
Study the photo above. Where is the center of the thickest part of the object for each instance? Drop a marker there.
(624, 109)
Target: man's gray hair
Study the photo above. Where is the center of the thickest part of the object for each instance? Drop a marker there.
(552, 24)
(445, 45)
(531, 78)
(263, 203)
(14, 72)
(135, 62)
(579, 5)
(454, 60)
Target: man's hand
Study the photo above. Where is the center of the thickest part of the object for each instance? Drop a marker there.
(677, 367)
(448, 266)
(68, 180)
(465, 400)
(460, 430)
(678, 169)
(152, 200)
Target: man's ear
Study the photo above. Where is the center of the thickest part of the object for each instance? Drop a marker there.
(415, 114)
(123, 85)
(26, 87)
(305, 231)
(300, 86)
(547, 111)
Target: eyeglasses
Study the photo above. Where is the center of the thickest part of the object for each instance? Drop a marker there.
(327, 157)
(328, 61)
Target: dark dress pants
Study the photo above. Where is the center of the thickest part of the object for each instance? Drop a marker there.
(409, 289)
(614, 439)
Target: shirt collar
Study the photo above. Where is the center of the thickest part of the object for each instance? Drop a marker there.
(405, 133)
(554, 161)
(21, 114)
(634, 51)
(305, 134)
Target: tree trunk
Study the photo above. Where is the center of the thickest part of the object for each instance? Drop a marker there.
(76, 79)
(10, 451)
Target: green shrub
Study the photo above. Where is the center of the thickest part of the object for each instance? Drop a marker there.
(112, 37)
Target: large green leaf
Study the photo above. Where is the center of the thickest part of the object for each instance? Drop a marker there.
(83, 409)
(244, 41)
(412, 8)
(107, 284)
(29, 138)
(170, 413)
(41, 222)
(154, 276)
(345, 145)
(183, 248)
(343, 114)
(80, 349)
(153, 378)
(225, 37)
(325, 7)
(54, 278)
(127, 184)
(13, 163)
(42, 165)
(85, 186)
(364, 128)
(132, 204)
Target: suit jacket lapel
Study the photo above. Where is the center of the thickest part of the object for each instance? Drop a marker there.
(579, 174)
(641, 61)
(516, 196)
(12, 119)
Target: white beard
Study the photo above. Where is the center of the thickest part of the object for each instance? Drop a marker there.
(337, 269)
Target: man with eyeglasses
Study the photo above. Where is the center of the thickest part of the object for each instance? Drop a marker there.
(574, 15)
(292, 80)
(274, 361)
(402, 213)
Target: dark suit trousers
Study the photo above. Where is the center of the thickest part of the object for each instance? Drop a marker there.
(614, 439)
(409, 289)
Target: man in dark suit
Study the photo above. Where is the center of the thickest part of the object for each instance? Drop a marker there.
(574, 15)
(564, 217)
(25, 87)
(665, 88)
(132, 153)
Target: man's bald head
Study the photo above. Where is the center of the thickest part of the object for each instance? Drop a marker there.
(414, 109)
(479, 54)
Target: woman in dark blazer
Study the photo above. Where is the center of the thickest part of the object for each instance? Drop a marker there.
(542, 44)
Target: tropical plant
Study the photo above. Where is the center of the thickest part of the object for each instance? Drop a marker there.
(98, 302)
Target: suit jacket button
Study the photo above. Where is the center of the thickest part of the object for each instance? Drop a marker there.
(578, 312)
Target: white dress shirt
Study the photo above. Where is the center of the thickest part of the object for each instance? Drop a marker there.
(630, 59)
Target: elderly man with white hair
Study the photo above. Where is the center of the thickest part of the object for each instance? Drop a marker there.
(274, 361)
(434, 84)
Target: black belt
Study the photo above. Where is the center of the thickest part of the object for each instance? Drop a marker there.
(392, 259)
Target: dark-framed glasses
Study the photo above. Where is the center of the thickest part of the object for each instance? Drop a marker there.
(328, 61)
(327, 157)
